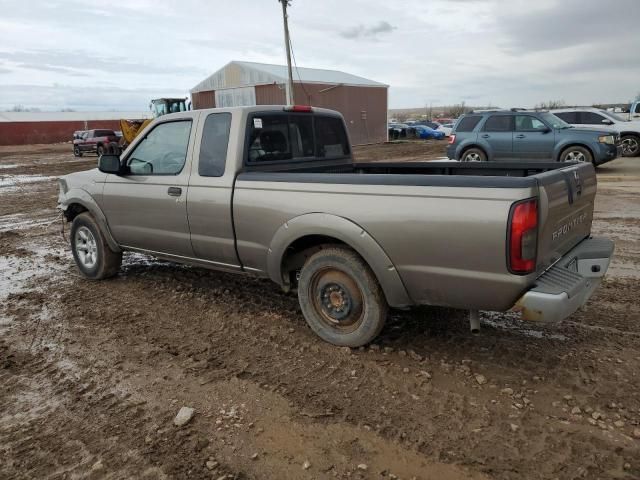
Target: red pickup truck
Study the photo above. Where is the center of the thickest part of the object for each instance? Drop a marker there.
(94, 141)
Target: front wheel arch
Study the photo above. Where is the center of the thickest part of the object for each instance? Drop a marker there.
(574, 145)
(633, 135)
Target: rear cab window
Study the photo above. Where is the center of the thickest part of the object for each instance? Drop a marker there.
(289, 136)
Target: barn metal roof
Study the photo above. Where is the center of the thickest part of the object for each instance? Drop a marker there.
(252, 73)
(68, 116)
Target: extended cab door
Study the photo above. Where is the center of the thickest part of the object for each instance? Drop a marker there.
(211, 190)
(146, 207)
(532, 139)
(497, 136)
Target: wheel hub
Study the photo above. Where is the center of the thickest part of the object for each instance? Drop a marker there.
(337, 298)
(336, 301)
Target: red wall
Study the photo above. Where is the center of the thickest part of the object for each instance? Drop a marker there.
(25, 133)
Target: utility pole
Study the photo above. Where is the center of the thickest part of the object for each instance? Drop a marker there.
(289, 89)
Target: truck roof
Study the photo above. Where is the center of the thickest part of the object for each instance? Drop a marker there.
(250, 109)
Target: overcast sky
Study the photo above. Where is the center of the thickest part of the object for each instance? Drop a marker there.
(90, 55)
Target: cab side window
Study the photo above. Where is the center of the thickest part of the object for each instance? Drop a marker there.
(163, 151)
(213, 149)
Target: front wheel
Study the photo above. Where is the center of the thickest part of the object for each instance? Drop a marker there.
(90, 250)
(576, 154)
(76, 151)
(341, 298)
(100, 150)
(630, 145)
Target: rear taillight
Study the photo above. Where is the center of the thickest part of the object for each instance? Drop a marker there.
(523, 237)
(452, 138)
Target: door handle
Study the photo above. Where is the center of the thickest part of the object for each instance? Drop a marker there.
(174, 191)
(521, 136)
(486, 136)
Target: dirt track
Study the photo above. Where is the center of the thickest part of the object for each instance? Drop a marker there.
(93, 373)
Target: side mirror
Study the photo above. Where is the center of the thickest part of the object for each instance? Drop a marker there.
(109, 164)
(546, 130)
(606, 121)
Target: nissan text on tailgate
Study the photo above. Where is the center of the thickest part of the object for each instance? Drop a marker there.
(273, 192)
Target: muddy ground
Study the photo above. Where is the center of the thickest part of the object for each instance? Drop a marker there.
(93, 374)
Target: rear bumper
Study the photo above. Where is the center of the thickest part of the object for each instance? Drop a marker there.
(567, 286)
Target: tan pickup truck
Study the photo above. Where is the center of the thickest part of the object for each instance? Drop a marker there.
(273, 191)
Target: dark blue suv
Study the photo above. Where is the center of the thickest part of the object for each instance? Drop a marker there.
(517, 135)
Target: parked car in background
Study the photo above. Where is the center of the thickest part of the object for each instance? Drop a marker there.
(428, 123)
(634, 111)
(424, 132)
(397, 130)
(589, 117)
(507, 135)
(447, 128)
(95, 141)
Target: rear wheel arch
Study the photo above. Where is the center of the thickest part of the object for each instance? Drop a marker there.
(478, 147)
(305, 235)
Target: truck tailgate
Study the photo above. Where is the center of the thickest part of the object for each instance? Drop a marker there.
(566, 210)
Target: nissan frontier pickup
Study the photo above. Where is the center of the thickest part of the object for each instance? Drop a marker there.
(273, 191)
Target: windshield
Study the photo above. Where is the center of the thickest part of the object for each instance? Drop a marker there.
(555, 122)
(613, 116)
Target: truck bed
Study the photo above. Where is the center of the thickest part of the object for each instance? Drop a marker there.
(443, 224)
(421, 173)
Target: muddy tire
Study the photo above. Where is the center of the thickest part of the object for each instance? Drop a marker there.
(576, 154)
(90, 250)
(473, 155)
(630, 145)
(76, 151)
(341, 298)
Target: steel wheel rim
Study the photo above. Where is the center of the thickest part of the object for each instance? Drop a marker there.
(86, 247)
(575, 156)
(337, 299)
(472, 157)
(629, 146)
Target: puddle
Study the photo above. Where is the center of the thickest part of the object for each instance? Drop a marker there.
(20, 221)
(6, 167)
(18, 180)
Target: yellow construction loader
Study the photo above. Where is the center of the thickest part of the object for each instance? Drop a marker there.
(159, 107)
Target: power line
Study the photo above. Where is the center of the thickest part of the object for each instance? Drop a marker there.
(298, 72)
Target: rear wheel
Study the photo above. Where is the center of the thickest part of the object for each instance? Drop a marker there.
(576, 154)
(474, 155)
(630, 145)
(340, 297)
(90, 250)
